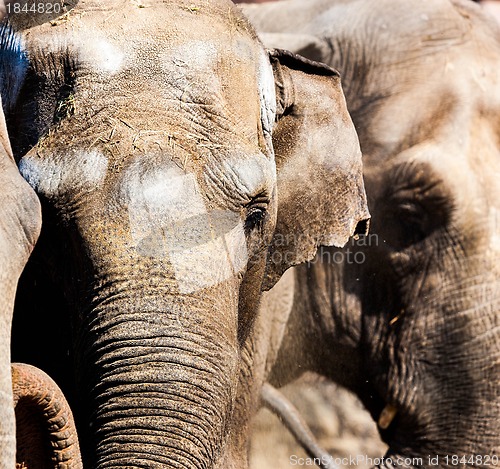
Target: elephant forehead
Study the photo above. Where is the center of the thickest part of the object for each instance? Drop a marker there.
(197, 55)
(102, 54)
(94, 50)
(234, 78)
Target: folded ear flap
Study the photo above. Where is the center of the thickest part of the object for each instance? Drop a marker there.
(321, 196)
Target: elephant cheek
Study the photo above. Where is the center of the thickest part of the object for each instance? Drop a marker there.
(203, 247)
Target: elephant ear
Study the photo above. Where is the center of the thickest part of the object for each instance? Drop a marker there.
(321, 196)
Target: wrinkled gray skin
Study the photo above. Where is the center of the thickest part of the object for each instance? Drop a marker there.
(20, 221)
(170, 198)
(412, 324)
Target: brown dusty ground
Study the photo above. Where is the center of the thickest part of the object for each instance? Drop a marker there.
(335, 417)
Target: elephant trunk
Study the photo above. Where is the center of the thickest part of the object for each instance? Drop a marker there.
(160, 389)
(46, 433)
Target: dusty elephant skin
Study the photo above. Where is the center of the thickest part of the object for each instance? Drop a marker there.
(148, 131)
(20, 221)
(408, 317)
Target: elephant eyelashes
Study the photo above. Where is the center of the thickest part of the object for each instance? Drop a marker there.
(414, 224)
(256, 215)
(256, 211)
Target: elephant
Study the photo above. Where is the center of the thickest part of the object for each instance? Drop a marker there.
(36, 423)
(20, 221)
(408, 317)
(181, 168)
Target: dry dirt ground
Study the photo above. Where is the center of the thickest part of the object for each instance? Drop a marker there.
(335, 417)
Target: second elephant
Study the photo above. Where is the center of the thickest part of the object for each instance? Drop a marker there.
(409, 317)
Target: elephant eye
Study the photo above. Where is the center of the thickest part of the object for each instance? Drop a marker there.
(416, 204)
(256, 214)
(414, 224)
(255, 219)
(410, 221)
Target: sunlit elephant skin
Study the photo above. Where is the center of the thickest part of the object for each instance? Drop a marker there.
(408, 317)
(180, 168)
(20, 221)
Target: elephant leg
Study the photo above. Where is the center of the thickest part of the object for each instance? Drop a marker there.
(46, 434)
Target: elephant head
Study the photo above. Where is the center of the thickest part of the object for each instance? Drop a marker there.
(180, 168)
(409, 317)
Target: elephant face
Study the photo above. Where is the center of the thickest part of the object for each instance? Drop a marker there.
(149, 138)
(409, 316)
(428, 302)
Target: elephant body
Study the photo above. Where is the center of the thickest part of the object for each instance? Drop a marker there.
(409, 316)
(168, 149)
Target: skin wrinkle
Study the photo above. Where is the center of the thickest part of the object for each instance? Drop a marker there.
(200, 113)
(156, 397)
(163, 325)
(149, 453)
(117, 417)
(136, 404)
(187, 364)
(150, 457)
(184, 422)
(213, 179)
